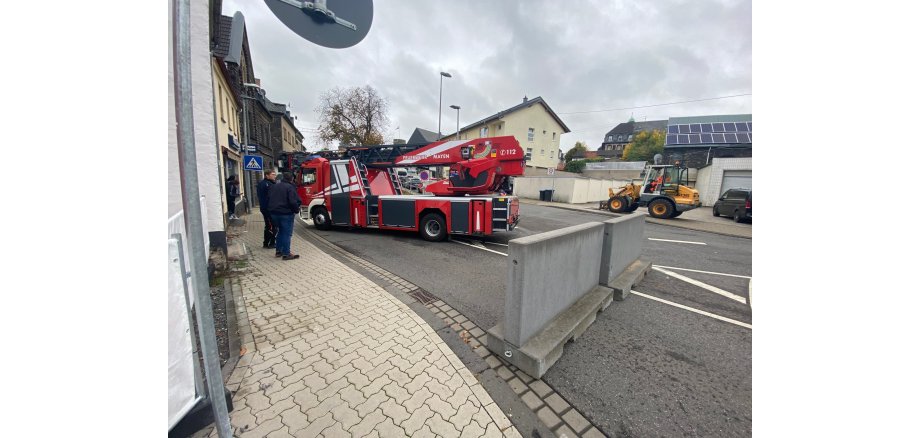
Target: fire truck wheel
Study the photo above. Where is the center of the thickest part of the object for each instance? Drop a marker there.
(321, 218)
(433, 228)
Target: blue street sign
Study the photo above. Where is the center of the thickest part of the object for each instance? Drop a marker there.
(252, 162)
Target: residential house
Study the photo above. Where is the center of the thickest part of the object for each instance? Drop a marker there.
(532, 122)
(231, 47)
(616, 139)
(717, 149)
(285, 137)
(227, 106)
(422, 136)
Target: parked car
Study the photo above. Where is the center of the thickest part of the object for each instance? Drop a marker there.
(735, 203)
(413, 184)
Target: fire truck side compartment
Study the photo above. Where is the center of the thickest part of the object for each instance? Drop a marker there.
(397, 213)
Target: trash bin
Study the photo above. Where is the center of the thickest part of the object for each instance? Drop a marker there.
(549, 195)
(542, 195)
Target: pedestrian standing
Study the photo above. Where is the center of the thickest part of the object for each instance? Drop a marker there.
(283, 204)
(271, 230)
(233, 192)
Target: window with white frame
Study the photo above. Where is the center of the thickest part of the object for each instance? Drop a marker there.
(529, 134)
(609, 138)
(484, 131)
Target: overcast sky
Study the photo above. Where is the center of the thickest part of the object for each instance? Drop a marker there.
(578, 55)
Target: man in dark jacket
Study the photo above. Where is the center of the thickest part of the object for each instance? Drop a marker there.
(233, 192)
(283, 204)
(271, 230)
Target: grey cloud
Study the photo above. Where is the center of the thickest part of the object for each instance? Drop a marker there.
(579, 56)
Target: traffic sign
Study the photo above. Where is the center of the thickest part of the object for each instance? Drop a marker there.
(551, 171)
(250, 148)
(423, 175)
(252, 162)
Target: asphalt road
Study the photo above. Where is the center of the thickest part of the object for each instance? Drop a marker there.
(645, 367)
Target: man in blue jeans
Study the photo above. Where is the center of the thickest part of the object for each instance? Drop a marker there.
(283, 204)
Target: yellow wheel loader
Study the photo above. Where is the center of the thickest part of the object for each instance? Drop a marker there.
(664, 191)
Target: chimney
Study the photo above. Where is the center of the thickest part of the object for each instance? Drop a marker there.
(525, 99)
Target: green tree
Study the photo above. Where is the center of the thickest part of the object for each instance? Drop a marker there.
(579, 146)
(644, 146)
(354, 116)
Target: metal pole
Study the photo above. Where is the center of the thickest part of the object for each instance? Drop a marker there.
(245, 174)
(440, 90)
(458, 123)
(191, 205)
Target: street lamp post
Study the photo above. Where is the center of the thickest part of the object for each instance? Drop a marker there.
(440, 92)
(247, 181)
(458, 119)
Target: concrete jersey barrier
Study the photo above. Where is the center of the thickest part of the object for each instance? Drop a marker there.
(547, 273)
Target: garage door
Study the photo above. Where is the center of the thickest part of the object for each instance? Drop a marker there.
(736, 179)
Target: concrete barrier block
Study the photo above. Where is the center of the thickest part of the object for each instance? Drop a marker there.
(547, 273)
(541, 351)
(623, 240)
(632, 275)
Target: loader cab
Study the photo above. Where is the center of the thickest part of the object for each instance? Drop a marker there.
(664, 178)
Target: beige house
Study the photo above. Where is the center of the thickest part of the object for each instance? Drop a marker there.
(532, 122)
(226, 116)
(291, 138)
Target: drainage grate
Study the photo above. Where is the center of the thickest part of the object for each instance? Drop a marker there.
(422, 296)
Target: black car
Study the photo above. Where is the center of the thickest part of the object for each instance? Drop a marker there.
(735, 203)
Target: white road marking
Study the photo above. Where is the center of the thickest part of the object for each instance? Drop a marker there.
(751, 293)
(496, 243)
(714, 289)
(711, 315)
(702, 272)
(479, 247)
(677, 241)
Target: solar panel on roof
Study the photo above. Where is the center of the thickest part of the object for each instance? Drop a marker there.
(694, 139)
(672, 139)
(706, 138)
(743, 137)
(718, 138)
(729, 127)
(750, 126)
(683, 139)
(707, 127)
(672, 129)
(741, 127)
(684, 129)
(695, 128)
(751, 136)
(717, 127)
(730, 138)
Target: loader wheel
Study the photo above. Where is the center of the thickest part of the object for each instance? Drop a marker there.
(738, 216)
(660, 209)
(633, 208)
(321, 219)
(433, 228)
(676, 213)
(618, 204)
(715, 210)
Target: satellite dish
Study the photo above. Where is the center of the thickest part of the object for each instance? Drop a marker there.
(657, 158)
(336, 24)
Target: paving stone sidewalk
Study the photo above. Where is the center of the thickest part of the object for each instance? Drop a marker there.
(330, 353)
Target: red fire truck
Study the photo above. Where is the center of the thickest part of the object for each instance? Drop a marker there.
(361, 189)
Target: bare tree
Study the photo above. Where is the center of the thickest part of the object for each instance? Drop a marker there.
(353, 116)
